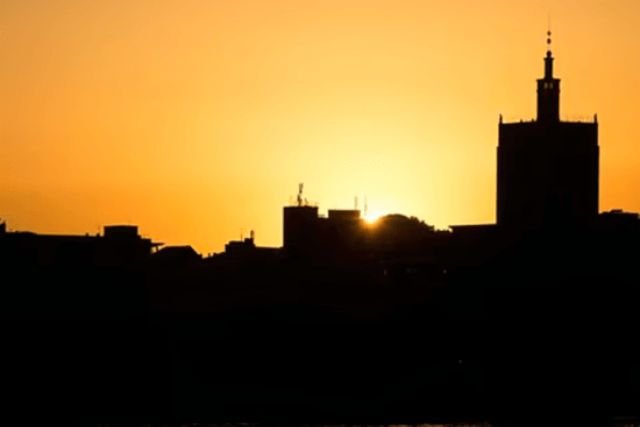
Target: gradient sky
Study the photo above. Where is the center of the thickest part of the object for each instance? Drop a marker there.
(196, 120)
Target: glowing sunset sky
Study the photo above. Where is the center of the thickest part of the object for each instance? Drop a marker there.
(196, 120)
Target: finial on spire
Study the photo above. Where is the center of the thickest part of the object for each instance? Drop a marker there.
(548, 88)
(549, 33)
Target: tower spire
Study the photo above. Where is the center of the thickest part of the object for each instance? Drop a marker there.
(548, 60)
(548, 89)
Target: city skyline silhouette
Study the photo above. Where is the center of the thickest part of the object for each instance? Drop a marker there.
(353, 314)
(547, 173)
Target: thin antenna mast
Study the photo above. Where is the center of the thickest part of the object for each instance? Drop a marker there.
(300, 189)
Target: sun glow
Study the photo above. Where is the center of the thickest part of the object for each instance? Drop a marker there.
(372, 217)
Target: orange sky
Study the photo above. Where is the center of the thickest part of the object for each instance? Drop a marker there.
(197, 119)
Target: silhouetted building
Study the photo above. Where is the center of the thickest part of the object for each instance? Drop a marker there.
(300, 228)
(245, 251)
(120, 245)
(344, 230)
(307, 233)
(617, 219)
(176, 255)
(344, 216)
(240, 247)
(123, 232)
(547, 168)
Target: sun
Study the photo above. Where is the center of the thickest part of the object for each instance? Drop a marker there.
(372, 217)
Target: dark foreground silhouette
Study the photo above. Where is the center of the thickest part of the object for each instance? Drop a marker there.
(469, 325)
(531, 320)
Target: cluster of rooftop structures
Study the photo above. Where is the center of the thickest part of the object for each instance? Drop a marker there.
(547, 177)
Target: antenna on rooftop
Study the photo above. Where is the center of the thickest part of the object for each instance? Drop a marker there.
(300, 189)
(366, 206)
(356, 202)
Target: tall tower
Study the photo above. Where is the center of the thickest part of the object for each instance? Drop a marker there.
(547, 168)
(548, 90)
